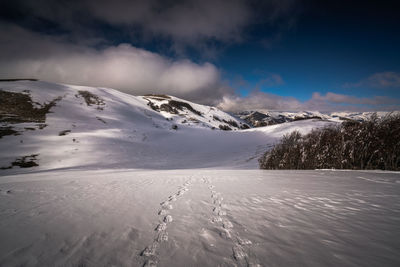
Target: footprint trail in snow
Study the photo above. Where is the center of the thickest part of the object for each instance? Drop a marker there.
(151, 251)
(240, 245)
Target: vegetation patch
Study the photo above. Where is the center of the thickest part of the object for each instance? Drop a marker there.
(24, 162)
(158, 97)
(225, 127)
(172, 107)
(168, 108)
(373, 144)
(181, 105)
(65, 132)
(307, 118)
(7, 130)
(19, 108)
(216, 118)
(194, 120)
(15, 80)
(91, 99)
(153, 106)
(41, 126)
(232, 123)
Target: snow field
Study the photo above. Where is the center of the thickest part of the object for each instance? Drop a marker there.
(199, 217)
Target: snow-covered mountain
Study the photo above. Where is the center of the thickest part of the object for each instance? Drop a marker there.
(65, 126)
(264, 118)
(104, 188)
(184, 112)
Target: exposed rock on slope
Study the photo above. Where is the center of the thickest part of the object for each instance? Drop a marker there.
(185, 112)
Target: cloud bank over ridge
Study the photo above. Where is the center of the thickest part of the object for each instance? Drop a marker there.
(124, 67)
(61, 41)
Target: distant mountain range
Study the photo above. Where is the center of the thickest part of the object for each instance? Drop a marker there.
(266, 118)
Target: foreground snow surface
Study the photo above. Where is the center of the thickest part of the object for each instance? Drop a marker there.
(200, 217)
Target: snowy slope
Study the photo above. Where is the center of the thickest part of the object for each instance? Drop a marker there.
(189, 113)
(102, 127)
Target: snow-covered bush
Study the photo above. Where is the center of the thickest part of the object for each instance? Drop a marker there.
(373, 144)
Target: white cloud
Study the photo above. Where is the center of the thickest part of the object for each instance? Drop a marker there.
(319, 102)
(123, 67)
(259, 101)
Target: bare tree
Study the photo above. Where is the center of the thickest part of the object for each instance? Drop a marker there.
(373, 144)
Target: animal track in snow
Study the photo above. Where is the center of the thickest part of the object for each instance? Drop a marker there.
(150, 252)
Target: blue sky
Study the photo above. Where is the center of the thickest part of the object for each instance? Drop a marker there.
(237, 54)
(310, 65)
(322, 53)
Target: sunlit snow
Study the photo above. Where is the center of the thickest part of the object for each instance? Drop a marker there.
(129, 190)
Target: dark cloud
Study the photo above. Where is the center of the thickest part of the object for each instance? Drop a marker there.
(181, 20)
(188, 23)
